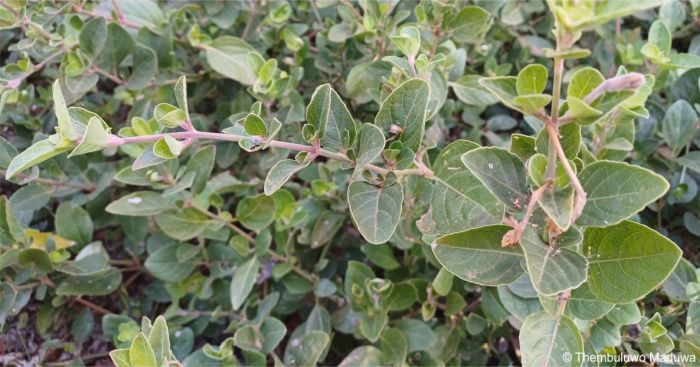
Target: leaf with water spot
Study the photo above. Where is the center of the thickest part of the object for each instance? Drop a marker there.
(502, 172)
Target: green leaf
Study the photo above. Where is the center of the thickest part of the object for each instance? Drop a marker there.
(372, 324)
(418, 334)
(584, 305)
(375, 210)
(228, 56)
(364, 356)
(281, 172)
(330, 117)
(140, 353)
(547, 341)
(683, 61)
(627, 261)
(679, 124)
(470, 24)
(11, 231)
(94, 139)
(164, 264)
(182, 224)
(582, 112)
(74, 223)
(537, 167)
(159, 340)
(311, 348)
(256, 212)
(532, 103)
(553, 268)
(583, 82)
(273, 331)
(167, 147)
(615, 191)
(503, 87)
(120, 357)
(577, 16)
(381, 255)
(169, 115)
(243, 281)
(144, 68)
(522, 145)
(93, 36)
(201, 164)
(443, 282)
(35, 154)
(408, 41)
(625, 314)
(356, 275)
(691, 160)
(394, 347)
(532, 79)
(65, 126)
(459, 200)
(370, 146)
(660, 36)
(470, 91)
(116, 48)
(477, 256)
(100, 284)
(254, 125)
(502, 172)
(558, 204)
(139, 204)
(147, 159)
(569, 136)
(406, 108)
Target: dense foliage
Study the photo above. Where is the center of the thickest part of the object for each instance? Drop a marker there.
(349, 183)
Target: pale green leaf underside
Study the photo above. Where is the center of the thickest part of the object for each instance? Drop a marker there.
(35, 154)
(243, 281)
(280, 173)
(558, 204)
(584, 305)
(552, 269)
(627, 261)
(331, 118)
(406, 107)
(476, 256)
(369, 147)
(545, 340)
(615, 191)
(375, 210)
(228, 56)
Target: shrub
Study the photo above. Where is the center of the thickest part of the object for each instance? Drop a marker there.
(370, 183)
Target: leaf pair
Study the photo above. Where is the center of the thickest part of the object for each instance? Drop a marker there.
(522, 93)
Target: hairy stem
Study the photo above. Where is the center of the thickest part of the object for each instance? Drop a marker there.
(115, 141)
(554, 116)
(580, 197)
